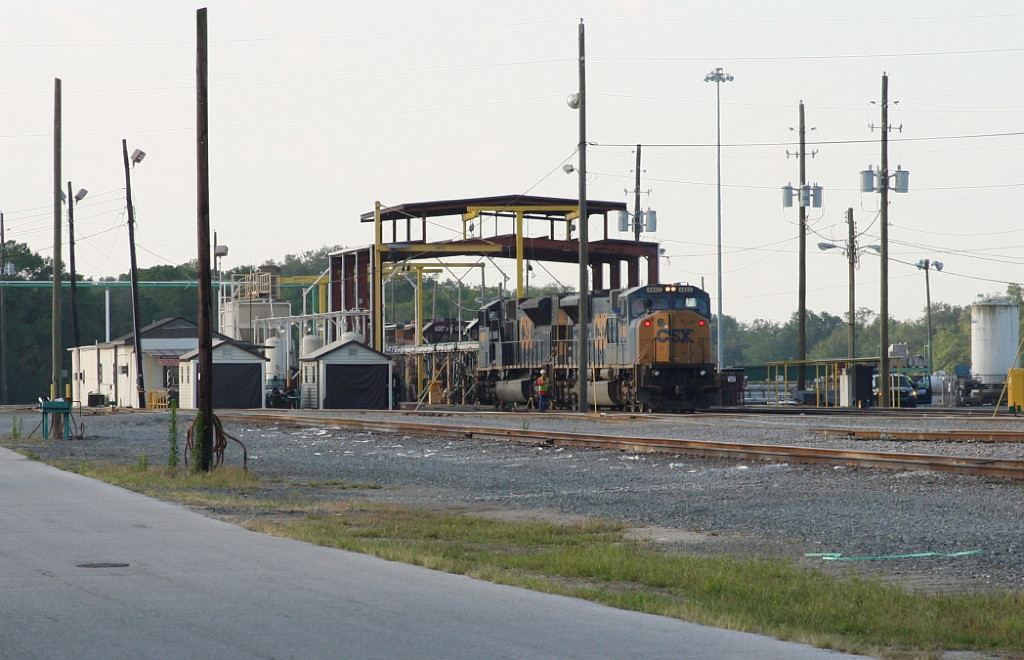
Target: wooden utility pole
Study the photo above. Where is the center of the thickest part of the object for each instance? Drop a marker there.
(71, 267)
(584, 259)
(851, 254)
(636, 201)
(55, 329)
(140, 380)
(801, 333)
(884, 380)
(205, 370)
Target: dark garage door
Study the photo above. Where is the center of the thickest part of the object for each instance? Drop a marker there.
(356, 386)
(237, 385)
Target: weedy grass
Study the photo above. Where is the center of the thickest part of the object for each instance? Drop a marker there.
(597, 561)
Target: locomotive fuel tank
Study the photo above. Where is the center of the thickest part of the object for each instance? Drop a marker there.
(514, 391)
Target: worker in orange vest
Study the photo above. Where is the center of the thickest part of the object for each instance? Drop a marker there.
(542, 391)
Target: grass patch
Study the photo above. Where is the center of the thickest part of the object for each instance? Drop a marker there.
(595, 560)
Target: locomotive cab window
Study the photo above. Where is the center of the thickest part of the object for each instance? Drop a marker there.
(638, 306)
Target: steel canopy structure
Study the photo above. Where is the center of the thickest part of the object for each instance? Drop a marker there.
(498, 227)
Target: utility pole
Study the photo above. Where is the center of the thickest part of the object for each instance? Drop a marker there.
(205, 375)
(801, 335)
(851, 254)
(884, 380)
(636, 203)
(71, 266)
(140, 382)
(584, 259)
(55, 379)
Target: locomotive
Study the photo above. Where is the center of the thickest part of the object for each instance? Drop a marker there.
(649, 349)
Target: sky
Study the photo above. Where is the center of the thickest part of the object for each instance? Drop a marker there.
(320, 109)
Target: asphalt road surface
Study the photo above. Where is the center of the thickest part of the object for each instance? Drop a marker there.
(89, 570)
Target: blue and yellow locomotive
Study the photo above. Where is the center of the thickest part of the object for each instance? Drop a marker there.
(649, 348)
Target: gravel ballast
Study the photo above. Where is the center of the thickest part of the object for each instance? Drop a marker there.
(964, 532)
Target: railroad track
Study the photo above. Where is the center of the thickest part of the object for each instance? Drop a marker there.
(1005, 468)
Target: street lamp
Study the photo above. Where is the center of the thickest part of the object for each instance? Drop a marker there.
(926, 265)
(79, 196)
(135, 159)
(718, 76)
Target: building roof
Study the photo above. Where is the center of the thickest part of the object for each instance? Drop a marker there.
(459, 206)
(338, 345)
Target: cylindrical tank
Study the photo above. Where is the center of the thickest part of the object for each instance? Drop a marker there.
(352, 335)
(995, 336)
(310, 343)
(277, 367)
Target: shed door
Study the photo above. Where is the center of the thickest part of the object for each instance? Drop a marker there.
(356, 386)
(237, 385)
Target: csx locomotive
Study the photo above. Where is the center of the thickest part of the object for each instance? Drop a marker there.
(649, 348)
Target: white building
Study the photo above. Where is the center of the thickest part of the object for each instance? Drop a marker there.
(105, 373)
(238, 377)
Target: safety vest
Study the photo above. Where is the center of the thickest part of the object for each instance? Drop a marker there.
(542, 385)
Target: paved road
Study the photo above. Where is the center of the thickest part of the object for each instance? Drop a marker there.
(89, 570)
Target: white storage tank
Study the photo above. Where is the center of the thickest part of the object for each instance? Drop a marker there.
(277, 367)
(310, 343)
(352, 335)
(995, 337)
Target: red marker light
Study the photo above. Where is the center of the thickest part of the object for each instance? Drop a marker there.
(702, 323)
(647, 323)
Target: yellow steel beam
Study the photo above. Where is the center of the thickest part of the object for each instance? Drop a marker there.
(556, 208)
(428, 249)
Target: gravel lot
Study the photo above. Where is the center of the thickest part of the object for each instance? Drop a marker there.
(689, 504)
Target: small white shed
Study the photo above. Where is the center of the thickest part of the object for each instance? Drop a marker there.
(239, 375)
(346, 374)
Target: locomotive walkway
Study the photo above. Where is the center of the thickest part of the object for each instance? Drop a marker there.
(88, 570)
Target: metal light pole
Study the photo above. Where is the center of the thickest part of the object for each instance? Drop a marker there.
(718, 76)
(926, 265)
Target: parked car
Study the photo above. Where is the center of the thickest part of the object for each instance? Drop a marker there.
(901, 391)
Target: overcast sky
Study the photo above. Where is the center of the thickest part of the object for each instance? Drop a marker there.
(319, 109)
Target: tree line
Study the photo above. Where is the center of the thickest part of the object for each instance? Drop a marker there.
(27, 316)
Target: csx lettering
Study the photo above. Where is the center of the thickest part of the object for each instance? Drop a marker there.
(676, 336)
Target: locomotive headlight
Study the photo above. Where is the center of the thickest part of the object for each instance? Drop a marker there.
(703, 372)
(655, 373)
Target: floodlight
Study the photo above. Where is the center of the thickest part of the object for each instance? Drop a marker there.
(573, 101)
(137, 156)
(80, 195)
(568, 168)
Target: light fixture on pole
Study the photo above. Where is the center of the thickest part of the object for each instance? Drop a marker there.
(136, 158)
(718, 76)
(79, 196)
(926, 265)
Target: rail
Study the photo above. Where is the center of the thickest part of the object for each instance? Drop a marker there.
(974, 466)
